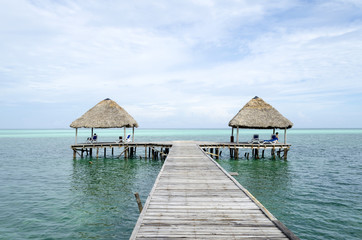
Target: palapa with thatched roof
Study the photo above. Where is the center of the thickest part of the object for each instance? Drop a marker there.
(257, 114)
(106, 114)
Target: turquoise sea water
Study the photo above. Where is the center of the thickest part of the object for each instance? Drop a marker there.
(45, 194)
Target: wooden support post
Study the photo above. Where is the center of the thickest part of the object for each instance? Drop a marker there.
(91, 152)
(105, 152)
(146, 151)
(112, 151)
(217, 153)
(97, 151)
(262, 155)
(124, 134)
(247, 156)
(139, 203)
(236, 153)
(257, 153)
(76, 135)
(82, 153)
(237, 135)
(131, 152)
(74, 153)
(232, 135)
(285, 153)
(285, 136)
(132, 134)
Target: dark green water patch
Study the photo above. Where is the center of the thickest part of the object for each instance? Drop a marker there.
(45, 194)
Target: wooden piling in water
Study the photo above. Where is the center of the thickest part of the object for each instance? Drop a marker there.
(285, 154)
(160, 150)
(131, 152)
(139, 203)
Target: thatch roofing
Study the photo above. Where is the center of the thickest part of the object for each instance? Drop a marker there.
(257, 114)
(106, 114)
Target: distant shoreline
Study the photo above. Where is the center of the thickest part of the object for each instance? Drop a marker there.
(226, 128)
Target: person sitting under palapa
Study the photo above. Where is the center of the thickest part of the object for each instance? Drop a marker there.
(92, 139)
(120, 139)
(274, 138)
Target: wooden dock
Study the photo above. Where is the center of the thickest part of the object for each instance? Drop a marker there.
(194, 197)
(152, 149)
(155, 149)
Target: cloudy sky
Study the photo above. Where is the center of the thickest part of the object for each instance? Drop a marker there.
(189, 63)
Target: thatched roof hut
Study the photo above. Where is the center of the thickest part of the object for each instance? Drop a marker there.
(106, 114)
(257, 114)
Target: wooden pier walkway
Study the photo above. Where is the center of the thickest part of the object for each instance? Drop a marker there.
(193, 197)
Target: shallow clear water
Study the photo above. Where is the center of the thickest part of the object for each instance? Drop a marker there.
(45, 194)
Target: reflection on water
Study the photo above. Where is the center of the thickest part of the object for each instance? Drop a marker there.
(103, 203)
(266, 179)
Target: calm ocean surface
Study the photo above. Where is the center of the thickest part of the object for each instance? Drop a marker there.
(45, 194)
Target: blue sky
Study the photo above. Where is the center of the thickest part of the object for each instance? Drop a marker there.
(180, 63)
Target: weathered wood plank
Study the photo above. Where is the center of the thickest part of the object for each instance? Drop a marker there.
(201, 237)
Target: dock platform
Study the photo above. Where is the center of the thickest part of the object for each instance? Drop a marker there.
(161, 148)
(194, 197)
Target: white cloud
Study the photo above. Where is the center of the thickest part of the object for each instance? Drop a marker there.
(168, 60)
